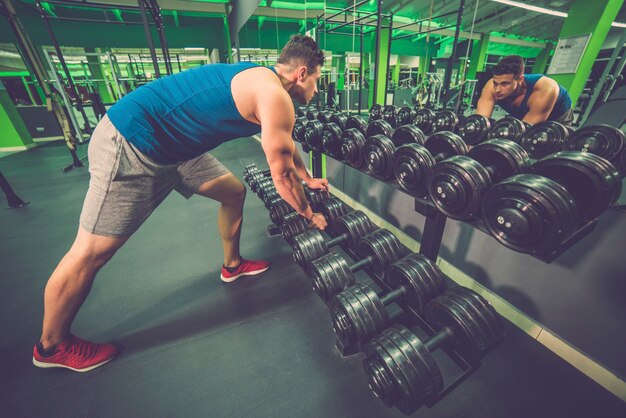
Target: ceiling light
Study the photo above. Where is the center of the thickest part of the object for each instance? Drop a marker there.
(546, 11)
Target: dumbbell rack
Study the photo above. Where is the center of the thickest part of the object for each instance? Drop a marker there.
(435, 223)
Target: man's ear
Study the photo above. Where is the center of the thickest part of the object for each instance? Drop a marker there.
(302, 72)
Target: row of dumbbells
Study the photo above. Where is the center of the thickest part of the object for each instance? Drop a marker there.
(562, 190)
(399, 365)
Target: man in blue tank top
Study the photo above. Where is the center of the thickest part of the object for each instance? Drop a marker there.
(155, 140)
(532, 98)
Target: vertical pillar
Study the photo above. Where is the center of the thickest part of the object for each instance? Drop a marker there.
(341, 72)
(395, 74)
(478, 56)
(584, 20)
(15, 135)
(379, 68)
(541, 62)
(95, 68)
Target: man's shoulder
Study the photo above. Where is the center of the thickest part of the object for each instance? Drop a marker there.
(545, 83)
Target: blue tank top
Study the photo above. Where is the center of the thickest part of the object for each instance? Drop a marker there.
(562, 105)
(181, 116)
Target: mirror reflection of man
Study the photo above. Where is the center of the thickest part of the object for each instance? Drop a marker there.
(532, 98)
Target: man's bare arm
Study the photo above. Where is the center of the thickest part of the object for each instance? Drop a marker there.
(487, 101)
(275, 112)
(542, 100)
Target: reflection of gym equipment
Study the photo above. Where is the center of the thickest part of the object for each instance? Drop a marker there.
(13, 199)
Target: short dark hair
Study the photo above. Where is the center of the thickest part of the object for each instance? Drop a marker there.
(511, 64)
(303, 49)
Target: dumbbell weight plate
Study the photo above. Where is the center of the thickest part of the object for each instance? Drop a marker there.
(330, 275)
(378, 154)
(474, 129)
(446, 143)
(376, 112)
(379, 127)
(352, 143)
(355, 225)
(544, 138)
(424, 120)
(405, 116)
(357, 312)
(446, 120)
(324, 116)
(316, 197)
(293, 225)
(476, 326)
(530, 213)
(332, 209)
(299, 129)
(382, 246)
(313, 135)
(603, 140)
(412, 166)
(408, 134)
(331, 135)
(400, 369)
(509, 128)
(278, 209)
(622, 161)
(389, 114)
(506, 157)
(356, 122)
(312, 113)
(594, 183)
(340, 120)
(422, 279)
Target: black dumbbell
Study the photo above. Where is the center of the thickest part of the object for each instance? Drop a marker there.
(376, 112)
(332, 209)
(299, 128)
(408, 134)
(379, 127)
(331, 140)
(603, 140)
(311, 245)
(537, 212)
(293, 225)
(356, 122)
(378, 154)
(340, 120)
(413, 162)
(331, 273)
(316, 197)
(324, 116)
(352, 143)
(424, 120)
(400, 369)
(509, 128)
(544, 138)
(389, 114)
(313, 135)
(279, 208)
(312, 113)
(457, 184)
(475, 129)
(358, 313)
(446, 120)
(405, 116)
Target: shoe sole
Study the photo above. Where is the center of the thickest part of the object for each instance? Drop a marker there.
(247, 273)
(44, 365)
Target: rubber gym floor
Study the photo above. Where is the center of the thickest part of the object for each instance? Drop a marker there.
(195, 347)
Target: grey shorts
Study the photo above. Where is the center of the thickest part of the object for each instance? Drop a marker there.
(566, 118)
(126, 185)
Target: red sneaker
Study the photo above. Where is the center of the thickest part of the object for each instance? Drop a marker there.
(76, 354)
(246, 268)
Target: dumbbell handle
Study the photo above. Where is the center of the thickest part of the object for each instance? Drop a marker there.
(337, 240)
(362, 263)
(439, 338)
(393, 295)
(440, 157)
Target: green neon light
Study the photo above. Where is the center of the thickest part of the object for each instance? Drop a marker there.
(48, 8)
(297, 6)
(118, 15)
(14, 73)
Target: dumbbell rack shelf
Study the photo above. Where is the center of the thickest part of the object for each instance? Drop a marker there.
(435, 223)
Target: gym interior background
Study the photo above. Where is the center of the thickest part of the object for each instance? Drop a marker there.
(265, 347)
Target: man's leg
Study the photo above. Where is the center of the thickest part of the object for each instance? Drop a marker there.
(71, 281)
(231, 193)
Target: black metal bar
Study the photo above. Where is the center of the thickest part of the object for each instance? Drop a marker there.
(317, 39)
(352, 22)
(155, 11)
(146, 28)
(448, 74)
(433, 233)
(388, 58)
(377, 56)
(316, 164)
(80, 19)
(66, 70)
(178, 62)
(421, 33)
(360, 70)
(353, 7)
(428, 18)
(371, 23)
